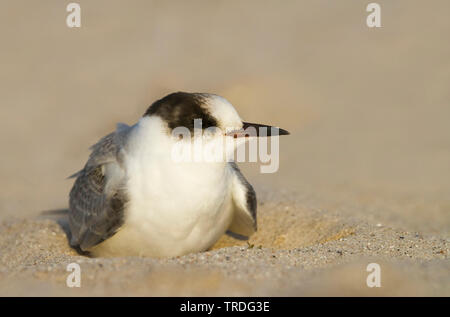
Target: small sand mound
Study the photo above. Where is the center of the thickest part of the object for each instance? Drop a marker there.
(283, 227)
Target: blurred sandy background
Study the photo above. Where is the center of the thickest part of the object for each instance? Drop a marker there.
(368, 111)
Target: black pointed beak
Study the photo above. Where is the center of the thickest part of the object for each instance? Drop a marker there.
(257, 130)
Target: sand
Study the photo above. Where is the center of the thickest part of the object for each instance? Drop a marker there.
(297, 252)
(363, 176)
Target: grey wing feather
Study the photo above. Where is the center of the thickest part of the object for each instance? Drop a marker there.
(97, 199)
(108, 149)
(244, 222)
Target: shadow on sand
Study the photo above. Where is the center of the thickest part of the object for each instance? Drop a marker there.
(61, 217)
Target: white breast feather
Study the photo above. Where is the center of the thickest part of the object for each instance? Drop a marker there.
(173, 208)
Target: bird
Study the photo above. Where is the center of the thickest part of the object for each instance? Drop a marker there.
(133, 199)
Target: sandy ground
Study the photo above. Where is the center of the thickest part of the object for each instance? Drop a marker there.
(363, 177)
(303, 253)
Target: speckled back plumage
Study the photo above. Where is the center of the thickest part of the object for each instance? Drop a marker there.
(96, 209)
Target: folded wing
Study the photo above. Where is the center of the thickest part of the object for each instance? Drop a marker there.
(97, 199)
(244, 222)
